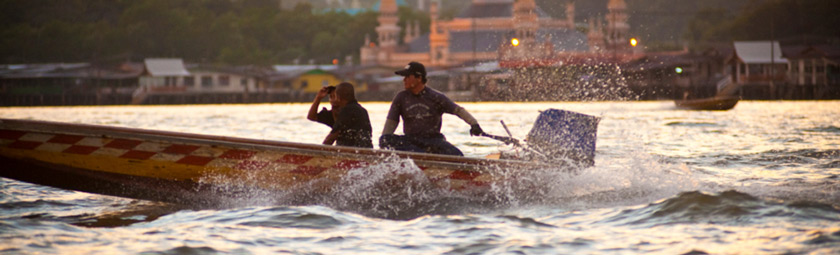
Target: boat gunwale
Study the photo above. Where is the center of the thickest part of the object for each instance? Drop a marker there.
(240, 142)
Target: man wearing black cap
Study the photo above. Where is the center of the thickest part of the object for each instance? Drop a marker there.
(422, 109)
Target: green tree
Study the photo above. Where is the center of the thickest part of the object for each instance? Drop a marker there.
(707, 24)
(234, 32)
(779, 19)
(150, 28)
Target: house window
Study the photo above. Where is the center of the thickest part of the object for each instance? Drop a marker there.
(169, 81)
(287, 84)
(206, 81)
(189, 81)
(224, 80)
(243, 82)
(325, 83)
(304, 84)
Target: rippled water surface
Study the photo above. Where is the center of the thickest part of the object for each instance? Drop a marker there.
(763, 178)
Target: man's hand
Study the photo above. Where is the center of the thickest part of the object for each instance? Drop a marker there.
(322, 93)
(475, 130)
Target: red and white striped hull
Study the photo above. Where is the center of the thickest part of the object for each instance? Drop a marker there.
(199, 169)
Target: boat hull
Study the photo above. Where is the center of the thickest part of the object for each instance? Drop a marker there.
(208, 170)
(710, 104)
(121, 185)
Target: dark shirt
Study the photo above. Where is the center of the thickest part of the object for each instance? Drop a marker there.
(325, 117)
(421, 113)
(353, 126)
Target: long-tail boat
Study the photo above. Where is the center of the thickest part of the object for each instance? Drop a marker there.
(200, 169)
(725, 97)
(708, 104)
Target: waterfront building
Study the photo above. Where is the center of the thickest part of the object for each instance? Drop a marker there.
(758, 62)
(304, 78)
(164, 75)
(476, 34)
(171, 80)
(813, 64)
(68, 83)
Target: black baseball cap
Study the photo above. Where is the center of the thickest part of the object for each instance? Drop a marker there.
(413, 68)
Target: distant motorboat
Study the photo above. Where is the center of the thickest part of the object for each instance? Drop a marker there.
(724, 98)
(716, 103)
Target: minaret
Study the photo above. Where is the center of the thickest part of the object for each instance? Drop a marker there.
(416, 29)
(570, 13)
(438, 38)
(617, 27)
(595, 37)
(525, 21)
(388, 31)
(409, 32)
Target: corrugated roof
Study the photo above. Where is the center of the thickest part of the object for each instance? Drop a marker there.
(49, 70)
(485, 40)
(419, 44)
(759, 52)
(812, 51)
(165, 67)
(74, 70)
(304, 68)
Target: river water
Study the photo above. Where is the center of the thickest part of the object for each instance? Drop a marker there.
(762, 178)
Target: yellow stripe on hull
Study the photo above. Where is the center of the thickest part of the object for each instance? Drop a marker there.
(275, 178)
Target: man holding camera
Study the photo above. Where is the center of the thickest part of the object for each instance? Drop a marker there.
(349, 121)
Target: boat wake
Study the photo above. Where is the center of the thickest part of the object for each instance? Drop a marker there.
(396, 188)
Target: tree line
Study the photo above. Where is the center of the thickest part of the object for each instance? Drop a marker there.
(670, 24)
(259, 32)
(221, 31)
(794, 21)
